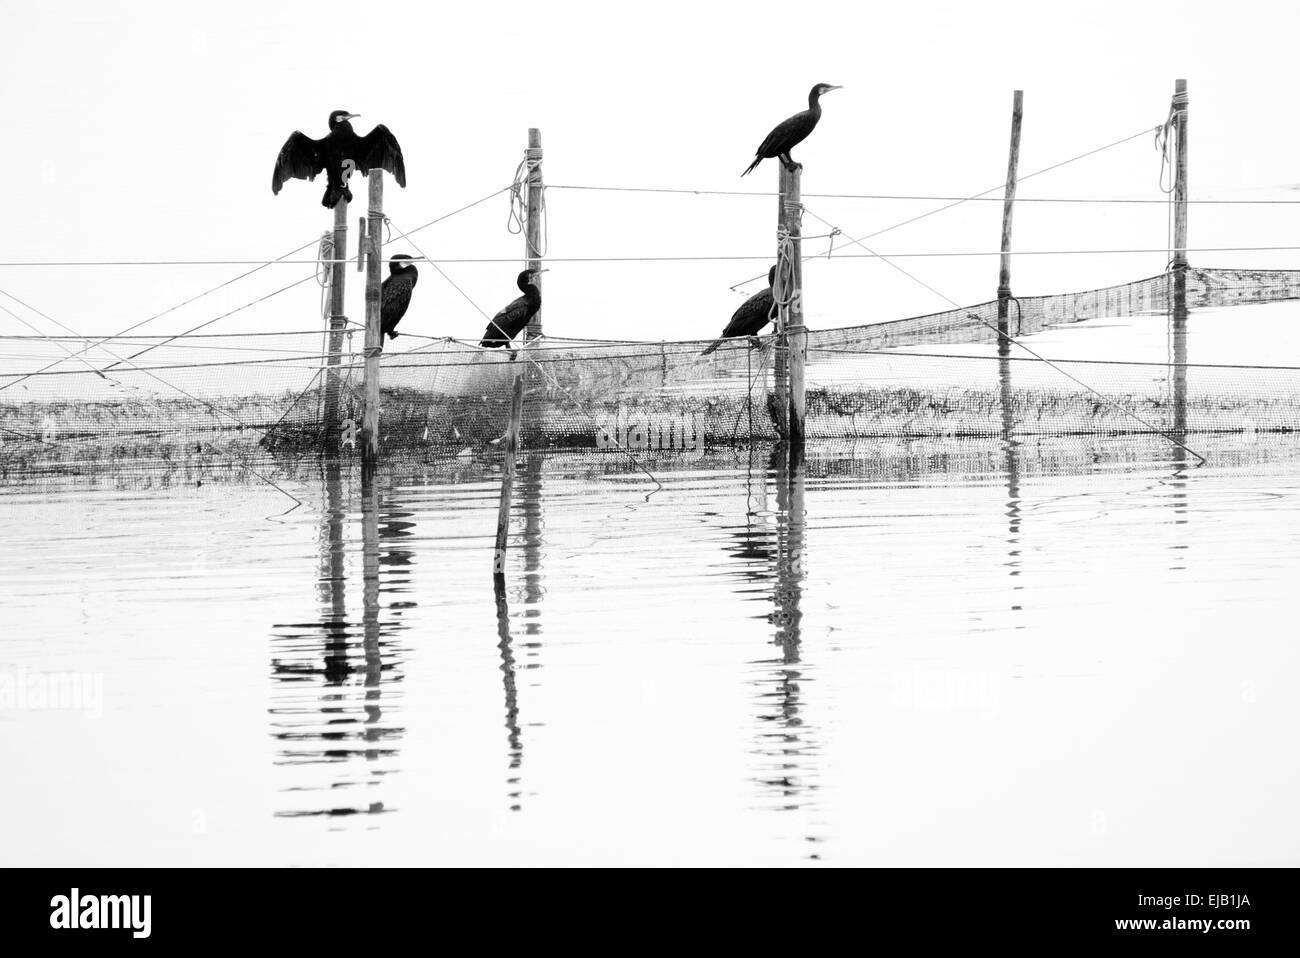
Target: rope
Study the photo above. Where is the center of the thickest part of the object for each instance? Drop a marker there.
(521, 198)
(911, 197)
(735, 257)
(982, 193)
(146, 371)
(426, 259)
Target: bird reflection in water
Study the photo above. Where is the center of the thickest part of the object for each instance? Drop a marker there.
(331, 690)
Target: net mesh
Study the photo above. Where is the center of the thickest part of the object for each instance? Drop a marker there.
(66, 401)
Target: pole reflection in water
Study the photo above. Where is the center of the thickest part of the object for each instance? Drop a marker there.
(1011, 464)
(328, 716)
(514, 738)
(1178, 375)
(787, 745)
(529, 499)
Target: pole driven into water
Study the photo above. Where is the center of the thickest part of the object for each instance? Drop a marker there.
(1178, 310)
(796, 334)
(337, 323)
(1008, 206)
(374, 335)
(1180, 175)
(532, 255)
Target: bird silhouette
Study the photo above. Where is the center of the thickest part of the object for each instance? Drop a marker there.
(752, 315)
(512, 320)
(395, 294)
(789, 133)
(340, 153)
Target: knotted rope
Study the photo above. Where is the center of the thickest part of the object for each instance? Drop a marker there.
(521, 198)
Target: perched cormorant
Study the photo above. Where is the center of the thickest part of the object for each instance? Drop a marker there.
(753, 314)
(790, 133)
(395, 294)
(512, 320)
(302, 158)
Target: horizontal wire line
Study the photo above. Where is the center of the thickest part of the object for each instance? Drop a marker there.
(919, 197)
(671, 259)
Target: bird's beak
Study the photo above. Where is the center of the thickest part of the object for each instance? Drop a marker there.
(547, 270)
(352, 116)
(828, 89)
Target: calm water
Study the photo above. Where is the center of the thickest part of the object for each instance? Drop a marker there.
(1060, 652)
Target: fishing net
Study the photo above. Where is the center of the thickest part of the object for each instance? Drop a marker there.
(207, 398)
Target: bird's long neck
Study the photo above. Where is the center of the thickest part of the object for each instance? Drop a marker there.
(814, 104)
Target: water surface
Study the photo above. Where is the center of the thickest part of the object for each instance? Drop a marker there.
(1068, 651)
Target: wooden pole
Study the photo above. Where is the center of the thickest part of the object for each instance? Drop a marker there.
(338, 321)
(1178, 313)
(533, 242)
(1180, 176)
(781, 365)
(1008, 204)
(533, 251)
(374, 338)
(796, 334)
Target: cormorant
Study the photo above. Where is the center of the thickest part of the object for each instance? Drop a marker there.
(753, 314)
(790, 133)
(512, 320)
(302, 158)
(395, 294)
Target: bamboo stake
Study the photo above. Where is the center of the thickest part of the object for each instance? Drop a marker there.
(1008, 204)
(796, 334)
(374, 338)
(533, 251)
(1180, 176)
(338, 321)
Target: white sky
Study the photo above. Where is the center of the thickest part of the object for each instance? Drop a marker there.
(149, 131)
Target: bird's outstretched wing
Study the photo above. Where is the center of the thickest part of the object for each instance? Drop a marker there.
(300, 158)
(379, 150)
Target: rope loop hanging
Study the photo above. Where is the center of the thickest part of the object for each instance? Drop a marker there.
(783, 291)
(521, 197)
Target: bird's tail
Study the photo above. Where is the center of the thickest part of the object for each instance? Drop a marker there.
(757, 160)
(333, 193)
(712, 347)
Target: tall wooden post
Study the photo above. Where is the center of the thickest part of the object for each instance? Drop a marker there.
(533, 232)
(1008, 204)
(533, 250)
(1178, 311)
(781, 364)
(796, 334)
(338, 321)
(1180, 175)
(374, 338)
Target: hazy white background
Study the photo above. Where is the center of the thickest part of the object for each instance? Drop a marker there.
(149, 130)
